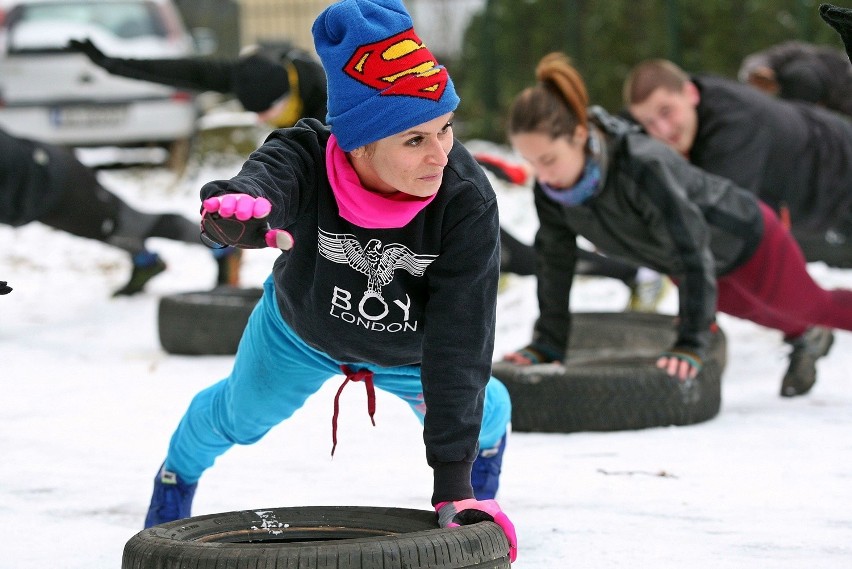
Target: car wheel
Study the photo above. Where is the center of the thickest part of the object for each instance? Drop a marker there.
(349, 537)
(205, 322)
(610, 382)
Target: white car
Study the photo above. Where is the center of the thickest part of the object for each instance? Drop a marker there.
(59, 96)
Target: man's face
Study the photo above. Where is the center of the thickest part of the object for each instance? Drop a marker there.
(670, 116)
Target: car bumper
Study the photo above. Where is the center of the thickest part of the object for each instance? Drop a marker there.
(130, 123)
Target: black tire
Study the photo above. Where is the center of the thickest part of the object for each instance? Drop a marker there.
(205, 322)
(340, 537)
(610, 382)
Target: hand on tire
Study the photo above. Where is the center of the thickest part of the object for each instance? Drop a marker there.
(240, 220)
(470, 511)
(680, 363)
(533, 354)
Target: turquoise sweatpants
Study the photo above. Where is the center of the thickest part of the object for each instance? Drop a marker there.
(274, 374)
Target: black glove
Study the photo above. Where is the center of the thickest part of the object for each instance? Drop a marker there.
(4, 288)
(240, 220)
(87, 47)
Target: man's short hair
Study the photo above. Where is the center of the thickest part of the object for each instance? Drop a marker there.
(649, 75)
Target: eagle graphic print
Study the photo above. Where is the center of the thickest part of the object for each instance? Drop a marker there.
(378, 262)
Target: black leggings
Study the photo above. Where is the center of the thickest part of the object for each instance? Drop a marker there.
(87, 209)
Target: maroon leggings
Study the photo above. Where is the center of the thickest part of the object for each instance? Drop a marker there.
(773, 288)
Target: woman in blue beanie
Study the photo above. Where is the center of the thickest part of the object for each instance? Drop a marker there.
(388, 272)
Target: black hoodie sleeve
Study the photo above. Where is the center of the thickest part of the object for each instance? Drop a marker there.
(195, 74)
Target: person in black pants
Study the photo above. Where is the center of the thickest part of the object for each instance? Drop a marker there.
(46, 183)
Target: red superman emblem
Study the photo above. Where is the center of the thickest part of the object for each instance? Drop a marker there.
(399, 65)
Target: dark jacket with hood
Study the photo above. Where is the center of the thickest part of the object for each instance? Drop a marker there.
(806, 72)
(652, 208)
(788, 153)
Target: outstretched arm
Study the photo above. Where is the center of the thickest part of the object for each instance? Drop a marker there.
(188, 73)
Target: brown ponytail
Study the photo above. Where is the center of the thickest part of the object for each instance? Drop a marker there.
(556, 105)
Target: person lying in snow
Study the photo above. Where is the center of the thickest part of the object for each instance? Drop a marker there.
(46, 183)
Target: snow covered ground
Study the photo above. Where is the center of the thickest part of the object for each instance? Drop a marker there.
(89, 400)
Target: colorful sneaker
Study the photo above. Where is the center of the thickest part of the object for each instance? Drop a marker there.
(485, 476)
(146, 265)
(172, 499)
(807, 349)
(228, 262)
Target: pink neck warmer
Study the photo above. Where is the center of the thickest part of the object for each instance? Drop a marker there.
(361, 206)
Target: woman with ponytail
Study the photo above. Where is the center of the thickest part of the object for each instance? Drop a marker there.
(636, 199)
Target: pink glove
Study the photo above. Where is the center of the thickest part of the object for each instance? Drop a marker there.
(470, 511)
(240, 220)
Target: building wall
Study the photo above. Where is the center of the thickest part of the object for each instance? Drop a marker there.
(280, 20)
(222, 17)
(440, 23)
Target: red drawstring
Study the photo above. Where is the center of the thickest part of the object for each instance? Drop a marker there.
(364, 375)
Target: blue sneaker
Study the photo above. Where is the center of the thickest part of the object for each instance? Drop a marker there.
(485, 476)
(172, 499)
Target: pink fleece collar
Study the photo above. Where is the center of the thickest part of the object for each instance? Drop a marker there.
(361, 206)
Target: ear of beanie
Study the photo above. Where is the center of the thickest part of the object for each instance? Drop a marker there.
(382, 80)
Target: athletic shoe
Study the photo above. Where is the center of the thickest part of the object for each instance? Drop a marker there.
(145, 267)
(646, 295)
(172, 499)
(485, 476)
(807, 349)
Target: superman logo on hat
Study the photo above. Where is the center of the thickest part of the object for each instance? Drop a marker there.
(399, 65)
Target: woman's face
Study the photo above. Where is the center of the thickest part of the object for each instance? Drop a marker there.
(557, 162)
(411, 162)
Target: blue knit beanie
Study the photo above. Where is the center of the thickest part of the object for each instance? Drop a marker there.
(381, 78)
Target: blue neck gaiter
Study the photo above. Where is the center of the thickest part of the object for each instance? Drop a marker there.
(587, 186)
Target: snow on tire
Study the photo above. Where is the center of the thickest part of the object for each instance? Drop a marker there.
(343, 537)
(205, 322)
(610, 381)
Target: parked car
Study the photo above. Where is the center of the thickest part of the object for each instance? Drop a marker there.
(50, 93)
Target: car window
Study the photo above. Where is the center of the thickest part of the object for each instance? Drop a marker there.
(122, 19)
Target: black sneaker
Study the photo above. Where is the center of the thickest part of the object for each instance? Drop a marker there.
(140, 276)
(807, 349)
